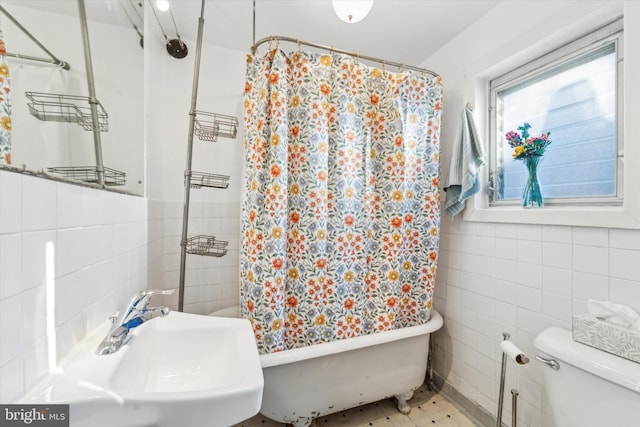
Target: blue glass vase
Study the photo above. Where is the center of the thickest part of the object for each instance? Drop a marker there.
(532, 193)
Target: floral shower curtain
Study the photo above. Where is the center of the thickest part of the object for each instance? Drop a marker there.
(341, 209)
(5, 106)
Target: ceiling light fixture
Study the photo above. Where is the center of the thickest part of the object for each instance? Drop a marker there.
(352, 11)
(162, 5)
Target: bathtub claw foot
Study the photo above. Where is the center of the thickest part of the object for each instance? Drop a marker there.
(403, 405)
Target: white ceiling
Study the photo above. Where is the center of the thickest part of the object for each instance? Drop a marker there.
(405, 31)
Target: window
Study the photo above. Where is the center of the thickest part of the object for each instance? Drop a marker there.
(573, 93)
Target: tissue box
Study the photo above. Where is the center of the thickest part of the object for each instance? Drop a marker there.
(614, 339)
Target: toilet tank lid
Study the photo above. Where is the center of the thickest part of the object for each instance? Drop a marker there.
(559, 344)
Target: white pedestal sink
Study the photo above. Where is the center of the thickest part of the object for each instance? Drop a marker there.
(181, 370)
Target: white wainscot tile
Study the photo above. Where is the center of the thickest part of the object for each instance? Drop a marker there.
(69, 205)
(69, 334)
(480, 284)
(34, 315)
(530, 298)
(624, 239)
(10, 328)
(557, 306)
(579, 306)
(532, 390)
(529, 321)
(173, 210)
(12, 380)
(556, 234)
(529, 414)
(36, 363)
(591, 259)
(590, 286)
(506, 249)
(530, 251)
(487, 345)
(93, 242)
(529, 232)
(557, 280)
(591, 236)
(506, 270)
(92, 207)
(11, 206)
(625, 292)
(507, 231)
(552, 322)
(68, 297)
(506, 313)
(558, 255)
(10, 265)
(69, 252)
(485, 325)
(34, 257)
(625, 264)
(530, 275)
(487, 229)
(38, 204)
(506, 291)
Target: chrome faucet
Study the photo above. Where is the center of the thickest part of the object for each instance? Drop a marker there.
(136, 313)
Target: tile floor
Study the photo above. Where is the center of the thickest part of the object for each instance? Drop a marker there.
(428, 409)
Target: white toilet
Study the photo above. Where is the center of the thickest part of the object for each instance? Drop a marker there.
(587, 387)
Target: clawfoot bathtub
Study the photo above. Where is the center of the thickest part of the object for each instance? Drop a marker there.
(309, 382)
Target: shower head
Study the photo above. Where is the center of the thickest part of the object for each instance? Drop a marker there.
(177, 48)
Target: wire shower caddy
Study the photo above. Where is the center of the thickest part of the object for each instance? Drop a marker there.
(210, 180)
(89, 174)
(209, 126)
(206, 245)
(50, 107)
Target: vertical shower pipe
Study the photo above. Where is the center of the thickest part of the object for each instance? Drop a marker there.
(93, 102)
(187, 172)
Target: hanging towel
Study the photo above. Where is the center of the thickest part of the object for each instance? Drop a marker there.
(466, 160)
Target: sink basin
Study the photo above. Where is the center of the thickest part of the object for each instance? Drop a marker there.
(179, 370)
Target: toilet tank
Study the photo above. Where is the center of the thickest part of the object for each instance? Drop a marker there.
(591, 388)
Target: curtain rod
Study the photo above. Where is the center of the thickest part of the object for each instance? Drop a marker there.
(254, 49)
(53, 60)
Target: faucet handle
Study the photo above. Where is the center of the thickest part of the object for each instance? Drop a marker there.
(151, 292)
(114, 317)
(143, 297)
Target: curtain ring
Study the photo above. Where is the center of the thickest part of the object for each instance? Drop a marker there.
(272, 52)
(298, 41)
(383, 65)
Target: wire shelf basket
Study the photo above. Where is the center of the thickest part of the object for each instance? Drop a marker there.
(51, 107)
(90, 174)
(209, 126)
(211, 180)
(206, 245)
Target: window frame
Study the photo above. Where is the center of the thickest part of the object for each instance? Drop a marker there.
(609, 34)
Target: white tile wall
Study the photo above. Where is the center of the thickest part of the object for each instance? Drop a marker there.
(540, 276)
(100, 247)
(210, 283)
